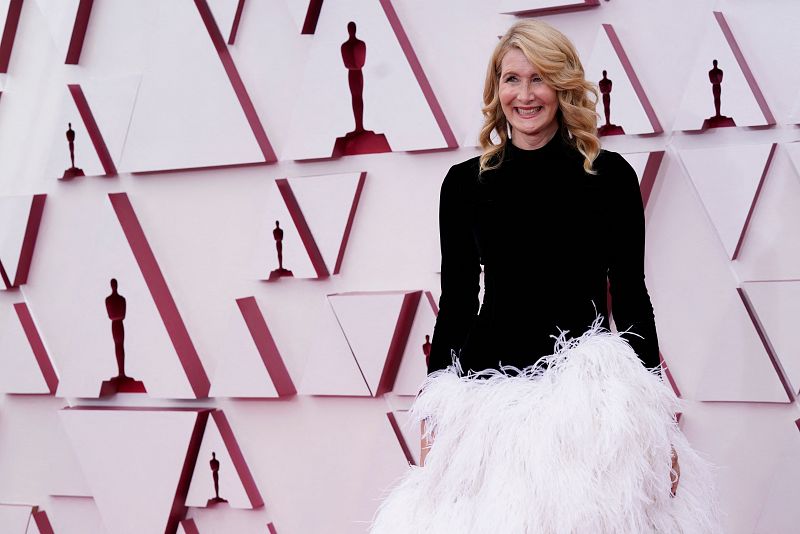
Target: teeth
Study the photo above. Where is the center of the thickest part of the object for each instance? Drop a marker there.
(529, 111)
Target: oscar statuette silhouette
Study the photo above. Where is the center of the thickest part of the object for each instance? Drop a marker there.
(359, 140)
(277, 234)
(718, 120)
(73, 171)
(116, 307)
(605, 88)
(215, 475)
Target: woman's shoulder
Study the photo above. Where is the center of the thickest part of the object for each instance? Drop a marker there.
(620, 178)
(610, 159)
(614, 167)
(467, 167)
(462, 175)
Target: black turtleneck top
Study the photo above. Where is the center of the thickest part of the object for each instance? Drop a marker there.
(554, 242)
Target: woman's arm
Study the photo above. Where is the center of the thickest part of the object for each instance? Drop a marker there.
(677, 473)
(425, 445)
(460, 270)
(630, 301)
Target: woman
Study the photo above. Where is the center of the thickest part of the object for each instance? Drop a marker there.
(572, 436)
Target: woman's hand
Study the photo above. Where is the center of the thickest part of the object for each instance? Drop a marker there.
(425, 446)
(677, 476)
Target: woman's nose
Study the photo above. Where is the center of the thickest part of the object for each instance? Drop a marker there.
(525, 92)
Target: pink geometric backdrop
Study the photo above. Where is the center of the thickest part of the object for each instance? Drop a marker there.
(282, 363)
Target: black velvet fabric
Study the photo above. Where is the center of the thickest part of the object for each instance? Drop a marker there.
(550, 236)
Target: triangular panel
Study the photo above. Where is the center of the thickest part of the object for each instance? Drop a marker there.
(328, 204)
(137, 462)
(242, 372)
(25, 366)
(75, 515)
(112, 101)
(776, 307)
(629, 108)
(89, 244)
(187, 112)
(236, 485)
(224, 12)
(14, 518)
(399, 107)
(728, 180)
(376, 325)
(740, 97)
(60, 19)
(771, 248)
(70, 121)
(331, 368)
(20, 217)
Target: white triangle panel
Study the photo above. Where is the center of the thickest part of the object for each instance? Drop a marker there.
(331, 368)
(86, 157)
(187, 114)
(133, 460)
(240, 372)
(15, 212)
(744, 375)
(771, 248)
(627, 110)
(265, 253)
(777, 306)
(727, 179)
(85, 239)
(231, 486)
(60, 19)
(74, 515)
(224, 12)
(14, 518)
(368, 321)
(394, 103)
(326, 202)
(112, 101)
(737, 98)
(19, 370)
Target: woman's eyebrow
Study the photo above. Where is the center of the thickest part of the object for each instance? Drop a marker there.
(507, 73)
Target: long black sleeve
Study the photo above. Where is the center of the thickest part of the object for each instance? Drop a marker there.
(630, 302)
(460, 273)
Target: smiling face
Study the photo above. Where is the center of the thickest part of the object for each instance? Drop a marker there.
(529, 104)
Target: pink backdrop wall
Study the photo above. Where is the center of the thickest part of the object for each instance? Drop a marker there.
(200, 122)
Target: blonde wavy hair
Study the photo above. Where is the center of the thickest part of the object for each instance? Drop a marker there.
(556, 60)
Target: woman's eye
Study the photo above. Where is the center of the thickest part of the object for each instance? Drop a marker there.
(537, 79)
(511, 78)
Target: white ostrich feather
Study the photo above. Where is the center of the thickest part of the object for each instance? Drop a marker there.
(577, 443)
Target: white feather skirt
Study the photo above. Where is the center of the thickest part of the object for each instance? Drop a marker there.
(578, 443)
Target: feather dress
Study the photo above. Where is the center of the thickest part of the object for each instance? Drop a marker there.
(578, 443)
